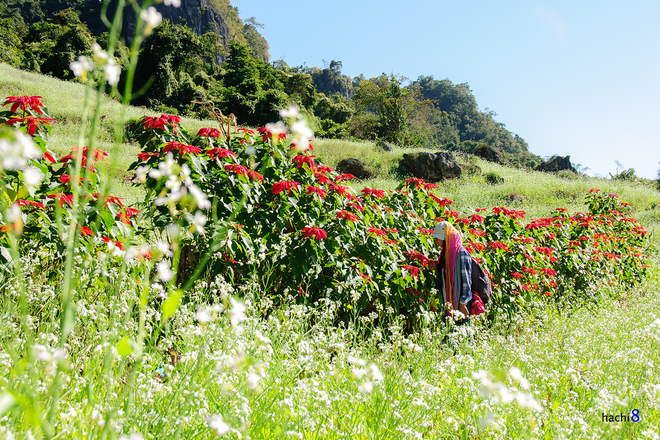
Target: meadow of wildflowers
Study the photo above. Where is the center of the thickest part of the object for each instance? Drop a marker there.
(254, 293)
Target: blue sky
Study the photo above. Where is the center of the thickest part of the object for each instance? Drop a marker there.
(578, 78)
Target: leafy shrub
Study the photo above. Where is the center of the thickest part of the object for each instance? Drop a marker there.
(280, 213)
(493, 178)
(41, 195)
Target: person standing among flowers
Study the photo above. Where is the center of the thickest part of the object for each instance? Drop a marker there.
(453, 269)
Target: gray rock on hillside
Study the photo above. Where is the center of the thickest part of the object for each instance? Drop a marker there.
(432, 167)
(556, 164)
(384, 146)
(355, 167)
(489, 153)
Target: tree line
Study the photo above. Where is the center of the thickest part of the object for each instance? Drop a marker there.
(181, 67)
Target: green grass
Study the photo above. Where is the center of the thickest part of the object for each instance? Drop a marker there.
(296, 375)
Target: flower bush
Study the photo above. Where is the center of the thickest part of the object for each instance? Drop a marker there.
(42, 196)
(276, 210)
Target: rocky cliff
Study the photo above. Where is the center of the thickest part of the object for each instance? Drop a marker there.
(198, 15)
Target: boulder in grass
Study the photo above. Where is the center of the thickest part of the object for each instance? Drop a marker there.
(489, 153)
(355, 167)
(432, 167)
(384, 146)
(556, 164)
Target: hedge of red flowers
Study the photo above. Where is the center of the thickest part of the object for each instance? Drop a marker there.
(369, 250)
(39, 189)
(260, 205)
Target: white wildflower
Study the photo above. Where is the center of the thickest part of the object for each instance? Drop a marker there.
(32, 176)
(218, 424)
(237, 312)
(175, 3)
(14, 155)
(81, 67)
(292, 112)
(152, 19)
(112, 71)
(163, 271)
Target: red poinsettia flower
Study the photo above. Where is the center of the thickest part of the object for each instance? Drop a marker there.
(517, 275)
(144, 156)
(377, 231)
(300, 160)
(316, 190)
(65, 178)
(30, 203)
(253, 175)
(347, 215)
(238, 169)
(414, 180)
(321, 178)
(181, 148)
(245, 130)
(498, 245)
(209, 132)
(315, 233)
(49, 157)
(378, 193)
(414, 271)
(323, 169)
(342, 177)
(529, 270)
(416, 256)
(288, 185)
(32, 123)
(343, 190)
(476, 218)
(25, 102)
(356, 206)
(86, 231)
(68, 198)
(220, 152)
(429, 186)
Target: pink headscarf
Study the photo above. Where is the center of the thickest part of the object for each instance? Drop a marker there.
(453, 243)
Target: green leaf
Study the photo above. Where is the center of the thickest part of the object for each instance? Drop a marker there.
(171, 304)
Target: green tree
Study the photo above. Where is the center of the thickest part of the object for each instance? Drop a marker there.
(392, 105)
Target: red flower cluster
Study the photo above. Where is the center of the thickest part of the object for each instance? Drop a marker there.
(144, 156)
(342, 177)
(288, 185)
(512, 213)
(347, 215)
(161, 123)
(220, 152)
(314, 232)
(209, 132)
(377, 231)
(25, 102)
(32, 123)
(30, 203)
(316, 190)
(378, 193)
(181, 148)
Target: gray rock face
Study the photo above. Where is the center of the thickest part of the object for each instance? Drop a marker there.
(198, 15)
(489, 153)
(384, 146)
(355, 167)
(432, 167)
(556, 164)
